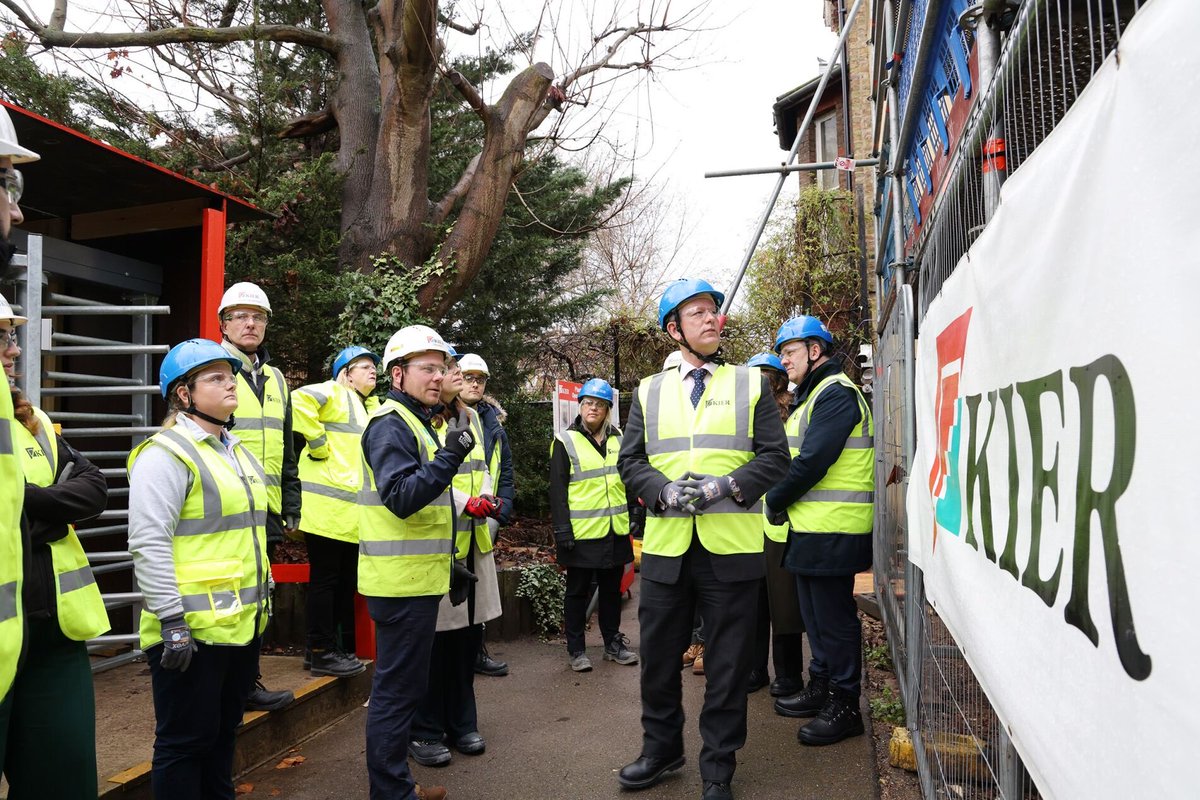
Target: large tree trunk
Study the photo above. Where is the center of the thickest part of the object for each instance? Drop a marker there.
(467, 245)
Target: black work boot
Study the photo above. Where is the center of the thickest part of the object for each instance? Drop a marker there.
(838, 719)
(335, 664)
(788, 657)
(808, 702)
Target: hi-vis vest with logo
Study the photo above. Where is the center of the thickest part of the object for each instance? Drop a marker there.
(12, 497)
(219, 544)
(469, 481)
(331, 419)
(404, 557)
(595, 494)
(259, 427)
(844, 500)
(716, 438)
(81, 613)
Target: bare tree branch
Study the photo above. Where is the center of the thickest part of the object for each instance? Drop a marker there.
(469, 30)
(457, 192)
(469, 93)
(228, 163)
(309, 125)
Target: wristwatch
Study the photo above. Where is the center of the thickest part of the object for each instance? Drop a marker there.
(735, 491)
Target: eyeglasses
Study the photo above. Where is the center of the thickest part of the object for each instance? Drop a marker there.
(697, 313)
(591, 402)
(429, 369)
(248, 316)
(479, 379)
(216, 379)
(362, 365)
(794, 349)
(14, 184)
(9, 339)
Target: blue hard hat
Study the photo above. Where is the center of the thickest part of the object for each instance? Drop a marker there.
(343, 358)
(598, 388)
(453, 352)
(680, 292)
(802, 327)
(768, 360)
(187, 356)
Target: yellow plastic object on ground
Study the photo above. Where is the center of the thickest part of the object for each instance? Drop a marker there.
(637, 554)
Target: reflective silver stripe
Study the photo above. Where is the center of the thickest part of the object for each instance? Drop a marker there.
(370, 497)
(723, 441)
(343, 427)
(725, 506)
(837, 496)
(44, 441)
(407, 547)
(741, 405)
(248, 596)
(257, 423)
(76, 579)
(593, 513)
(650, 413)
(588, 474)
(568, 443)
(320, 397)
(6, 437)
(677, 444)
(470, 465)
(271, 480)
(210, 494)
(320, 441)
(860, 442)
(794, 442)
(8, 601)
(329, 491)
(221, 524)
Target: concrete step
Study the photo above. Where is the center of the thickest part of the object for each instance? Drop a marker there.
(125, 721)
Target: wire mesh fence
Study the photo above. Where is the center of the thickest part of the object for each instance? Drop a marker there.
(1050, 53)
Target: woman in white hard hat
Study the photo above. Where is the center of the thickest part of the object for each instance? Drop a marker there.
(331, 417)
(197, 531)
(48, 720)
(448, 711)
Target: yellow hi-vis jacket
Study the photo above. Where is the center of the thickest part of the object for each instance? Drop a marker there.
(219, 545)
(331, 418)
(404, 557)
(259, 427)
(715, 438)
(12, 497)
(471, 480)
(595, 495)
(81, 613)
(844, 500)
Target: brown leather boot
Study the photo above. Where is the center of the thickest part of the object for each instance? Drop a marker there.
(431, 792)
(698, 664)
(689, 655)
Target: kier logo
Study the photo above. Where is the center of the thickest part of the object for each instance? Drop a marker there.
(943, 477)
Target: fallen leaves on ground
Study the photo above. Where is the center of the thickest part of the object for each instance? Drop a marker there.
(290, 761)
(244, 788)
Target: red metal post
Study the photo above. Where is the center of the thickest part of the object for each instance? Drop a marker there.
(364, 629)
(212, 270)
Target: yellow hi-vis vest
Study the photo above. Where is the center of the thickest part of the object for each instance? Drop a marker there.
(404, 557)
(595, 494)
(259, 427)
(331, 419)
(81, 612)
(844, 500)
(12, 497)
(219, 545)
(715, 438)
(469, 481)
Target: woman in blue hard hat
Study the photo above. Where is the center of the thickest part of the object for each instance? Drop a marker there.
(197, 531)
(779, 627)
(48, 719)
(593, 520)
(331, 417)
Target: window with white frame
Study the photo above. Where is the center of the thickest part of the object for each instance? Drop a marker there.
(827, 149)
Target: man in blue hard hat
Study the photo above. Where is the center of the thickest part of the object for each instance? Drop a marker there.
(703, 443)
(827, 500)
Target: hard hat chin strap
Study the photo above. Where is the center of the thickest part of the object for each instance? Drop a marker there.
(191, 410)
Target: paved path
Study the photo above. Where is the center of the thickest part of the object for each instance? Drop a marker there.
(552, 734)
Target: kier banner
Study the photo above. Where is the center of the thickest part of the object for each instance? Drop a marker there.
(1053, 499)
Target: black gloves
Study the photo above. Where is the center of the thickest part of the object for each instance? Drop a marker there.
(461, 579)
(459, 439)
(178, 646)
(564, 539)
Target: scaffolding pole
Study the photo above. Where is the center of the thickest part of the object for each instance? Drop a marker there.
(808, 118)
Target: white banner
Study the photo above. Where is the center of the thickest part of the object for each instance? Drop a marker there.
(1053, 495)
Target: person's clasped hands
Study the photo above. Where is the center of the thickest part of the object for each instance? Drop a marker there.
(695, 492)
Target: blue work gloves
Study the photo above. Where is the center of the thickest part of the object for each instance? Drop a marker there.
(711, 489)
(178, 646)
(459, 439)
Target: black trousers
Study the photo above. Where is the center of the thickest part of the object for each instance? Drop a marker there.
(834, 630)
(448, 707)
(404, 628)
(48, 719)
(578, 594)
(665, 613)
(787, 656)
(332, 579)
(196, 715)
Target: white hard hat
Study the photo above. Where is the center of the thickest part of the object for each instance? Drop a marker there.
(9, 146)
(473, 363)
(673, 360)
(412, 340)
(6, 312)
(244, 294)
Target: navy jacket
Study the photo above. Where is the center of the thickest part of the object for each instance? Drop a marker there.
(495, 436)
(834, 416)
(405, 485)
